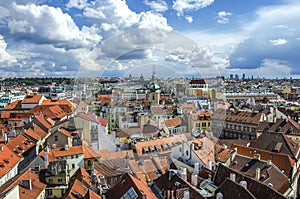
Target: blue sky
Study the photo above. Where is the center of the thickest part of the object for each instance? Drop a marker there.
(180, 37)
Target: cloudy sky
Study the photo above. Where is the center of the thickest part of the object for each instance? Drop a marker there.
(178, 37)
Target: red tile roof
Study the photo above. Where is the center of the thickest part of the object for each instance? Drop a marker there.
(61, 152)
(32, 98)
(20, 144)
(76, 190)
(125, 183)
(38, 187)
(13, 106)
(91, 117)
(8, 159)
(173, 122)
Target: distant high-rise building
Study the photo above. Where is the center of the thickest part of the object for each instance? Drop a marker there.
(231, 76)
(236, 76)
(244, 76)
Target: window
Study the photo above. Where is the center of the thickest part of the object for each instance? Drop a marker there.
(56, 138)
(73, 166)
(59, 180)
(49, 192)
(187, 153)
(89, 163)
(130, 194)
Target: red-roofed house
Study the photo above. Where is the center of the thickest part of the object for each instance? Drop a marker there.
(32, 100)
(95, 131)
(9, 162)
(129, 186)
(25, 185)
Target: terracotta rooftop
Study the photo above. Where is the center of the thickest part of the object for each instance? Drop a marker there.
(90, 117)
(37, 187)
(75, 191)
(282, 161)
(268, 173)
(32, 98)
(276, 142)
(125, 183)
(164, 183)
(17, 105)
(8, 159)
(61, 152)
(173, 122)
(20, 144)
(257, 188)
(198, 81)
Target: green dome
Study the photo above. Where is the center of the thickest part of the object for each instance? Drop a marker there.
(154, 87)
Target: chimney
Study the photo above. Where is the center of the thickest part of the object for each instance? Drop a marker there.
(269, 162)
(196, 168)
(27, 184)
(1, 148)
(257, 156)
(186, 194)
(257, 173)
(66, 147)
(219, 195)
(202, 145)
(243, 184)
(209, 164)
(192, 146)
(224, 146)
(46, 158)
(144, 196)
(232, 177)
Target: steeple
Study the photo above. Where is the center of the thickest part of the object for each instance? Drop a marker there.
(154, 78)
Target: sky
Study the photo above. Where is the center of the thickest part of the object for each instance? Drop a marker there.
(178, 38)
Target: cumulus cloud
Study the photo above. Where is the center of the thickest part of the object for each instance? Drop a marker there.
(157, 5)
(182, 6)
(278, 42)
(268, 41)
(222, 17)
(79, 4)
(189, 19)
(5, 57)
(116, 15)
(45, 24)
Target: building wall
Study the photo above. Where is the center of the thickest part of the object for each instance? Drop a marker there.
(9, 174)
(59, 140)
(185, 152)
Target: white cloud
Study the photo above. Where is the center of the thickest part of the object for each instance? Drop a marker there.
(222, 17)
(5, 58)
(278, 42)
(79, 4)
(157, 5)
(189, 19)
(182, 6)
(116, 15)
(45, 24)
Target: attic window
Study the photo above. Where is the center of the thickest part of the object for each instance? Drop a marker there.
(2, 165)
(6, 161)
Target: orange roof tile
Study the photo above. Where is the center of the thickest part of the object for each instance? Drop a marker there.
(89, 153)
(173, 122)
(282, 161)
(38, 187)
(32, 98)
(72, 150)
(20, 144)
(76, 189)
(13, 106)
(8, 159)
(91, 117)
